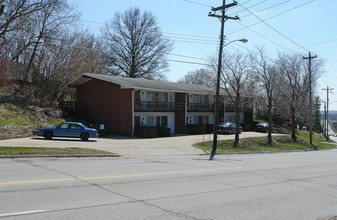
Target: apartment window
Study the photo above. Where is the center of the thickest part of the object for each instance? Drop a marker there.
(203, 120)
(200, 120)
(202, 99)
(150, 121)
(199, 99)
(152, 96)
(163, 97)
(231, 118)
(158, 121)
(157, 97)
(154, 121)
(195, 120)
(164, 121)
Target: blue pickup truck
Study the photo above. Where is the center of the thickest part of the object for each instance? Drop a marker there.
(67, 129)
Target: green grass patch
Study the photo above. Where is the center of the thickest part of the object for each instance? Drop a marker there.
(14, 115)
(280, 143)
(49, 151)
(11, 114)
(55, 121)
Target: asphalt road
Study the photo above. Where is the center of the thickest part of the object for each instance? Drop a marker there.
(301, 185)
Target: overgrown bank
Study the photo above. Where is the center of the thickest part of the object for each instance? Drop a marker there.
(19, 120)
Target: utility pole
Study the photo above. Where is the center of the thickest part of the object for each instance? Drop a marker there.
(327, 111)
(324, 120)
(310, 96)
(223, 18)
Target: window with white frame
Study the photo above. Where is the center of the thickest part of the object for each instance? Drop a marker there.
(200, 119)
(164, 121)
(150, 121)
(200, 99)
(157, 97)
(157, 121)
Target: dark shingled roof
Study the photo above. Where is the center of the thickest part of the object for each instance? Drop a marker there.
(143, 84)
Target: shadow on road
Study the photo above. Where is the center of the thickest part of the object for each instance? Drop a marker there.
(61, 139)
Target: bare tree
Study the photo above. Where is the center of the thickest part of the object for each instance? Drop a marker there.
(235, 79)
(295, 84)
(267, 76)
(199, 77)
(29, 25)
(61, 61)
(13, 14)
(135, 45)
(49, 23)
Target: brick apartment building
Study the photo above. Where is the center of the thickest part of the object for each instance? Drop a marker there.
(123, 103)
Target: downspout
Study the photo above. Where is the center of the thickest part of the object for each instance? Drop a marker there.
(133, 111)
(185, 111)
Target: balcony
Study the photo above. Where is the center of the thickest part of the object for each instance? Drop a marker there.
(147, 106)
(198, 107)
(231, 108)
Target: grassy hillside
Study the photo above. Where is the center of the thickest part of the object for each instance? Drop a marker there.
(11, 114)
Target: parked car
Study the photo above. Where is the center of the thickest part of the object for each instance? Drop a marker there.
(228, 127)
(263, 127)
(67, 129)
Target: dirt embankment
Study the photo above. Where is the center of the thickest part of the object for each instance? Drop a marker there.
(20, 121)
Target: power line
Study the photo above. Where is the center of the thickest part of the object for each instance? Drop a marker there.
(209, 6)
(247, 27)
(197, 3)
(166, 33)
(194, 39)
(178, 55)
(180, 61)
(188, 40)
(189, 35)
(274, 6)
(194, 42)
(277, 31)
(88, 48)
(250, 7)
(95, 22)
(272, 16)
(325, 42)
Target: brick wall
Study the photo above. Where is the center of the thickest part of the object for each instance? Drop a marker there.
(180, 116)
(107, 103)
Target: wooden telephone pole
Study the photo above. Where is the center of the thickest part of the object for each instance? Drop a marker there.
(223, 18)
(310, 96)
(327, 111)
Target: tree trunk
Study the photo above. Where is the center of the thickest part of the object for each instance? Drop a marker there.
(237, 122)
(293, 124)
(270, 140)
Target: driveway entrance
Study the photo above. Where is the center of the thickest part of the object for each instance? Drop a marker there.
(129, 147)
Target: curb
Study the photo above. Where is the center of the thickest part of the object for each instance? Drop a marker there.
(270, 152)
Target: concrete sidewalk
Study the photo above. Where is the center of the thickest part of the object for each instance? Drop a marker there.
(129, 147)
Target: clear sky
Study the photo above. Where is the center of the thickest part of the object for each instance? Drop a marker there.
(288, 26)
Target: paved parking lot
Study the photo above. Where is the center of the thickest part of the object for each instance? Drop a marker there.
(129, 147)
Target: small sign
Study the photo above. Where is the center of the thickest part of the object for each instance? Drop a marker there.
(101, 126)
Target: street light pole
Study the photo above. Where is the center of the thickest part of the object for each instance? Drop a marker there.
(223, 18)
